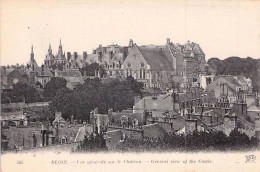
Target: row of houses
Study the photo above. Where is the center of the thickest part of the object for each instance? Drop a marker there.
(150, 119)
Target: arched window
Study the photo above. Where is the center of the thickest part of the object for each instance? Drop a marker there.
(63, 139)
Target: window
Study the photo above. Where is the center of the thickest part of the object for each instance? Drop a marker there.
(63, 139)
(142, 74)
(142, 64)
(128, 64)
(128, 72)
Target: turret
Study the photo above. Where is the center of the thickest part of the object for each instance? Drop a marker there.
(168, 41)
(60, 53)
(131, 43)
(32, 54)
(32, 61)
(50, 50)
(60, 44)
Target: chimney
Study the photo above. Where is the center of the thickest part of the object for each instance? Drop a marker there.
(257, 101)
(85, 55)
(68, 56)
(113, 48)
(98, 125)
(168, 40)
(131, 43)
(42, 68)
(72, 119)
(75, 55)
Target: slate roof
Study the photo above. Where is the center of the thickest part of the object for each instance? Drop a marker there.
(49, 57)
(59, 119)
(254, 108)
(232, 80)
(16, 115)
(118, 57)
(153, 130)
(183, 97)
(228, 79)
(70, 73)
(162, 103)
(81, 134)
(157, 58)
(72, 85)
(46, 72)
(92, 58)
(8, 71)
(209, 97)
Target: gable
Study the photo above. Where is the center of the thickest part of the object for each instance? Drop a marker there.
(135, 59)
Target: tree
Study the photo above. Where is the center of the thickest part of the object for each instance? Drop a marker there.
(247, 67)
(38, 84)
(238, 139)
(135, 86)
(53, 86)
(93, 143)
(115, 94)
(22, 92)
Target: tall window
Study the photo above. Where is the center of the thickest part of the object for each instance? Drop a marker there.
(128, 72)
(142, 73)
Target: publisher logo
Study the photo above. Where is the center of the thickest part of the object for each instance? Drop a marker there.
(250, 158)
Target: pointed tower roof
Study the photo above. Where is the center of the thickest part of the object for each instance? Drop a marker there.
(32, 61)
(32, 50)
(60, 55)
(49, 55)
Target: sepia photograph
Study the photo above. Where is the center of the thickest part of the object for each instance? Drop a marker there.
(131, 85)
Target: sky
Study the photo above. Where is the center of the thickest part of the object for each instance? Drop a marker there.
(223, 28)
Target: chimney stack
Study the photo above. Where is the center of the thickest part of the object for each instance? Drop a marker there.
(257, 101)
(168, 40)
(131, 43)
(42, 68)
(75, 55)
(68, 56)
(85, 55)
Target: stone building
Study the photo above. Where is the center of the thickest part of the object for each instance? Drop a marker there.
(160, 66)
(230, 88)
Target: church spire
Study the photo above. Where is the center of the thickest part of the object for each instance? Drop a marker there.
(50, 50)
(32, 54)
(32, 61)
(60, 52)
(60, 42)
(32, 50)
